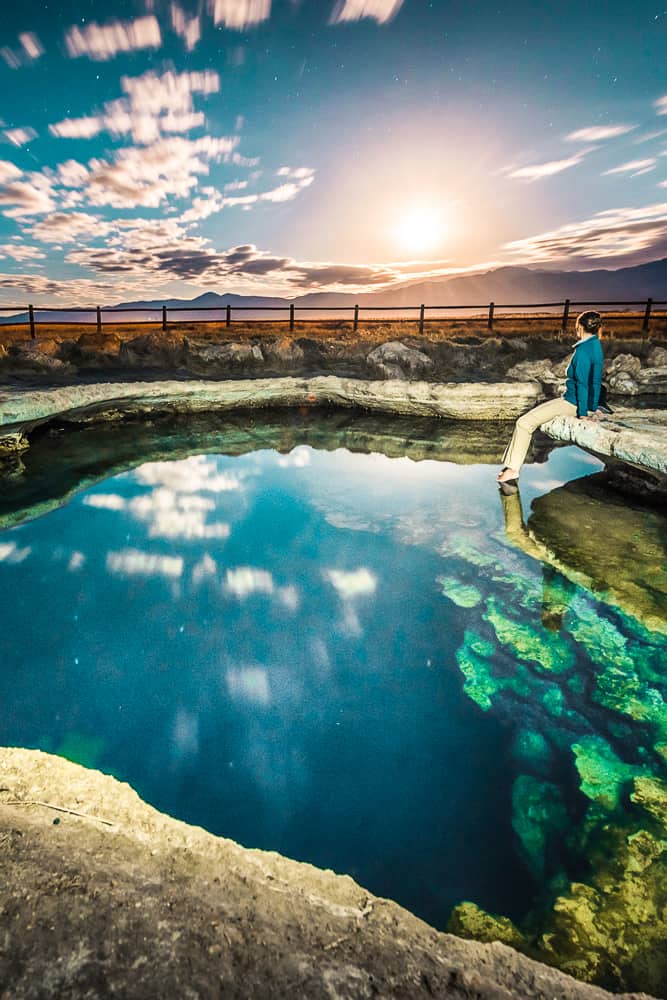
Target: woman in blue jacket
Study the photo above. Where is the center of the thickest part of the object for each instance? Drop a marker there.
(580, 399)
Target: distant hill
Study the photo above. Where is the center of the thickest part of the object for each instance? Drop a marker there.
(503, 285)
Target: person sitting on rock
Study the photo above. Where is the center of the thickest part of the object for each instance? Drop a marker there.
(580, 399)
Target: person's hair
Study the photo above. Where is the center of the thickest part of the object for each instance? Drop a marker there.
(590, 321)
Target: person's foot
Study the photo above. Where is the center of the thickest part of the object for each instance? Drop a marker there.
(507, 476)
(509, 489)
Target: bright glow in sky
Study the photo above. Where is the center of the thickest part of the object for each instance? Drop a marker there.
(153, 148)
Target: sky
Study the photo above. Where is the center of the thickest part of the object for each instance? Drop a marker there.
(155, 148)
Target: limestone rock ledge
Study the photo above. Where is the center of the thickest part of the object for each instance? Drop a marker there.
(465, 401)
(636, 436)
(101, 895)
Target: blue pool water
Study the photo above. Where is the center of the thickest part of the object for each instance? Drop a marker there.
(270, 645)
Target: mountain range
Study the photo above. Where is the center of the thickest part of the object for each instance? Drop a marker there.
(508, 285)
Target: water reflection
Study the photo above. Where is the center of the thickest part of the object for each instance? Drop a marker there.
(586, 535)
(363, 660)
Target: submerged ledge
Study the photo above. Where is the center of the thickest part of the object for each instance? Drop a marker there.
(109, 897)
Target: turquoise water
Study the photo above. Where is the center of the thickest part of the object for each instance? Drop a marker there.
(371, 663)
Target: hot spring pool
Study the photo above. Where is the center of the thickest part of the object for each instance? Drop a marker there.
(375, 664)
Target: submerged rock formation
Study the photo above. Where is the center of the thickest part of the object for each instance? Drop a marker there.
(103, 896)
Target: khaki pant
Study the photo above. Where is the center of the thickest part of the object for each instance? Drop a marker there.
(515, 453)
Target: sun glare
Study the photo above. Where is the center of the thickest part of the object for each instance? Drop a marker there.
(420, 230)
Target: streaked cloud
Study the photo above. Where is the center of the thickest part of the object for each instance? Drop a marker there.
(134, 562)
(104, 41)
(19, 136)
(78, 128)
(31, 45)
(353, 10)
(152, 104)
(30, 48)
(633, 167)
(187, 28)
(239, 14)
(649, 136)
(538, 170)
(632, 233)
(8, 171)
(661, 105)
(598, 133)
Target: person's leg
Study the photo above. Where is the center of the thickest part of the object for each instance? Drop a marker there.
(516, 450)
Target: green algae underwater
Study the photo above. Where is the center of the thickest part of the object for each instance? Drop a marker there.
(560, 595)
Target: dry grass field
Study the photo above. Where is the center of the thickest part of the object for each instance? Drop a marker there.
(619, 325)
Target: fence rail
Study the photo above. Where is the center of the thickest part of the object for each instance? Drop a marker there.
(491, 308)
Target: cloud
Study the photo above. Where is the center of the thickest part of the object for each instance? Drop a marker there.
(19, 136)
(633, 167)
(249, 684)
(30, 49)
(189, 475)
(148, 176)
(8, 171)
(11, 553)
(630, 235)
(239, 14)
(350, 584)
(244, 581)
(70, 291)
(213, 201)
(21, 252)
(31, 45)
(661, 105)
(30, 196)
(649, 136)
(187, 28)
(176, 515)
(78, 128)
(133, 562)
(539, 170)
(70, 174)
(152, 105)
(104, 41)
(598, 133)
(353, 10)
(69, 227)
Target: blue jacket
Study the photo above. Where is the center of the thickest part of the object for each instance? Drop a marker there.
(584, 376)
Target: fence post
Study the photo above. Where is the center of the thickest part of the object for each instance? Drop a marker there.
(99, 320)
(421, 318)
(228, 319)
(647, 315)
(291, 316)
(492, 307)
(566, 313)
(356, 318)
(164, 318)
(31, 316)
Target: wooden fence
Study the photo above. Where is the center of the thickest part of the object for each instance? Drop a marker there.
(101, 313)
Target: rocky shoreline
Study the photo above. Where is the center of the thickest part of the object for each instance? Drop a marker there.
(633, 367)
(101, 895)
